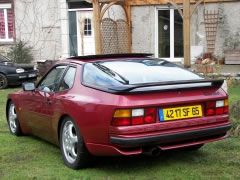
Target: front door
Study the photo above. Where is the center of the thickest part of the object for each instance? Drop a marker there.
(38, 105)
(170, 35)
(85, 33)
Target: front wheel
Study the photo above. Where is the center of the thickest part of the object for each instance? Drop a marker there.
(13, 123)
(74, 152)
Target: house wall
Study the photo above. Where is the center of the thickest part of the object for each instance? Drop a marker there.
(39, 24)
(143, 29)
(143, 26)
(229, 24)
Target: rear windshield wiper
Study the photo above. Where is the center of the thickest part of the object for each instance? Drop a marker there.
(111, 73)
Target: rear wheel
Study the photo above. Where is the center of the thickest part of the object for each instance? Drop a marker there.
(74, 152)
(3, 81)
(13, 123)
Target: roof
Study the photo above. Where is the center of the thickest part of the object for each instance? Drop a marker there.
(92, 58)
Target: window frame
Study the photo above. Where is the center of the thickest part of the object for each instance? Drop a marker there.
(5, 6)
(44, 77)
(172, 57)
(88, 31)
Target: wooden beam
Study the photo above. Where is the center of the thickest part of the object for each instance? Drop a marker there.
(105, 8)
(127, 10)
(159, 2)
(97, 25)
(186, 33)
(195, 7)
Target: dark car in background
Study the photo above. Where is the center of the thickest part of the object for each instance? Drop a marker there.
(15, 74)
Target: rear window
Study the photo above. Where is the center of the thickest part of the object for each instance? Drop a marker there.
(131, 72)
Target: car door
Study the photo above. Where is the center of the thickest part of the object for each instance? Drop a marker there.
(38, 105)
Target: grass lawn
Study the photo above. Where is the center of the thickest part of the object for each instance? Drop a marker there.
(31, 158)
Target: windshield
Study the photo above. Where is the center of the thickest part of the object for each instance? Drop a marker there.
(131, 72)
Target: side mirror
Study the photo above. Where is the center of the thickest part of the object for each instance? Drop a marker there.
(28, 86)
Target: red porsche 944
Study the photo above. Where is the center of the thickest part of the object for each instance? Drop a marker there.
(127, 104)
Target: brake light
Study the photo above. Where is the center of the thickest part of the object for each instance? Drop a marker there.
(127, 117)
(150, 115)
(217, 107)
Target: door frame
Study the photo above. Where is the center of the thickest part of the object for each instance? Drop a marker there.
(172, 58)
(78, 11)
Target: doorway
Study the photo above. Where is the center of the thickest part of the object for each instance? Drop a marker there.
(85, 33)
(169, 35)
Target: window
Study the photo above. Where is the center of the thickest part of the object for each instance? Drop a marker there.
(87, 27)
(6, 23)
(52, 80)
(68, 79)
(129, 72)
(170, 34)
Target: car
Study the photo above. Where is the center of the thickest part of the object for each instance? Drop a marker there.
(122, 104)
(15, 74)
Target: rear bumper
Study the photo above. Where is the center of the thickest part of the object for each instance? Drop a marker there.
(133, 140)
(171, 138)
(17, 79)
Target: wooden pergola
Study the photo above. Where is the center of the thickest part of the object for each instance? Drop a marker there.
(188, 6)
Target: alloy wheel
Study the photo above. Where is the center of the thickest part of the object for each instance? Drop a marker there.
(69, 142)
(12, 116)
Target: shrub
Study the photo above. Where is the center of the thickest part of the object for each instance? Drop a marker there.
(235, 118)
(21, 53)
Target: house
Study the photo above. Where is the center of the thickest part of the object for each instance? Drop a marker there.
(63, 28)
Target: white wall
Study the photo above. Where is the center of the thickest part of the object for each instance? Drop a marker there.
(38, 23)
(143, 29)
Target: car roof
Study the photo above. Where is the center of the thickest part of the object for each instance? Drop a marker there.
(94, 58)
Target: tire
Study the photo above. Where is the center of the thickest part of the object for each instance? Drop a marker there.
(3, 81)
(13, 122)
(74, 152)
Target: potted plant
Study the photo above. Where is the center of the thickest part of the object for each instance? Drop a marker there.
(232, 49)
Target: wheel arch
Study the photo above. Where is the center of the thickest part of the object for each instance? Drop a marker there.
(4, 73)
(7, 105)
(62, 117)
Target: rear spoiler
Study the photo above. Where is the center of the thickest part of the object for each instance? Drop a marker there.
(163, 86)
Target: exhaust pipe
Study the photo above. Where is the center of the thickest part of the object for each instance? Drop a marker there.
(155, 151)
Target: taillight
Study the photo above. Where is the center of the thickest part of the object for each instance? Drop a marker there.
(127, 117)
(217, 107)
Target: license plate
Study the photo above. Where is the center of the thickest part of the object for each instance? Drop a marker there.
(31, 75)
(178, 113)
(22, 77)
